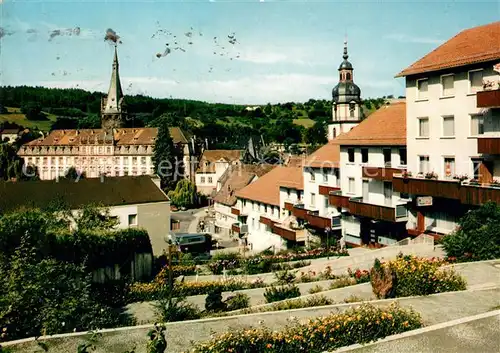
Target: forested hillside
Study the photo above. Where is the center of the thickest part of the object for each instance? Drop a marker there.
(223, 125)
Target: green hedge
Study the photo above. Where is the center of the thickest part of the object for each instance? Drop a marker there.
(103, 248)
(53, 239)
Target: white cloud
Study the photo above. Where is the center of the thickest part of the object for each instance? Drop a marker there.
(405, 38)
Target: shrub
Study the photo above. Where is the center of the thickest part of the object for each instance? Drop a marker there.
(363, 324)
(273, 294)
(477, 237)
(237, 302)
(285, 277)
(409, 275)
(361, 276)
(177, 270)
(213, 301)
(177, 309)
(342, 282)
(217, 267)
(353, 299)
(316, 289)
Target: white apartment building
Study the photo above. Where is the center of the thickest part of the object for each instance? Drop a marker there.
(373, 214)
(453, 126)
(262, 213)
(234, 179)
(213, 164)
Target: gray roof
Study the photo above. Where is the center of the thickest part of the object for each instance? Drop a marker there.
(116, 191)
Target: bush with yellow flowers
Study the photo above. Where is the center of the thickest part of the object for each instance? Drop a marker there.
(409, 275)
(363, 324)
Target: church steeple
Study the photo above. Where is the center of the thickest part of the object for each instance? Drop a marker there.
(112, 107)
(346, 100)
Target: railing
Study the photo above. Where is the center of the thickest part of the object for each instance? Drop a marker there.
(380, 173)
(465, 192)
(488, 145)
(488, 99)
(239, 228)
(338, 200)
(235, 211)
(299, 211)
(326, 190)
(386, 213)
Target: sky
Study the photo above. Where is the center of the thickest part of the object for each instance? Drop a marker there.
(239, 52)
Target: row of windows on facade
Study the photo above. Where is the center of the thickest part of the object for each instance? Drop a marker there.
(387, 188)
(89, 150)
(312, 175)
(85, 160)
(448, 126)
(386, 152)
(210, 180)
(475, 78)
(448, 166)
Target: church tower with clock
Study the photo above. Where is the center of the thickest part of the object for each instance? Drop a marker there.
(347, 111)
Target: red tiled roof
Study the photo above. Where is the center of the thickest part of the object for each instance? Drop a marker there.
(266, 189)
(328, 156)
(237, 178)
(121, 136)
(213, 156)
(471, 46)
(384, 127)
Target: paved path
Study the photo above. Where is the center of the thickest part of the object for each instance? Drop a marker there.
(434, 309)
(477, 334)
(478, 275)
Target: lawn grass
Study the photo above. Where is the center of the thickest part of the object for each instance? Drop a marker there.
(306, 122)
(15, 116)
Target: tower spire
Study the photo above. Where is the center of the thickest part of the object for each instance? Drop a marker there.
(112, 107)
(345, 56)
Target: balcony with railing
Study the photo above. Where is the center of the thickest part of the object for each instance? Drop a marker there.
(488, 145)
(488, 98)
(239, 228)
(235, 211)
(394, 213)
(267, 221)
(337, 199)
(289, 233)
(299, 211)
(317, 221)
(289, 206)
(426, 186)
(467, 192)
(381, 173)
(326, 190)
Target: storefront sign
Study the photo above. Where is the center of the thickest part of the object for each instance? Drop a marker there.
(424, 201)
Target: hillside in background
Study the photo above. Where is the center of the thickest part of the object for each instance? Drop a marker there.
(222, 125)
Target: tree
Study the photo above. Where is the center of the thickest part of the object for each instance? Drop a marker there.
(478, 235)
(12, 166)
(184, 194)
(32, 111)
(92, 121)
(316, 134)
(73, 174)
(3, 110)
(165, 157)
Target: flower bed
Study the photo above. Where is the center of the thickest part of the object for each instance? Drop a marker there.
(177, 270)
(410, 275)
(157, 290)
(361, 276)
(363, 324)
(268, 263)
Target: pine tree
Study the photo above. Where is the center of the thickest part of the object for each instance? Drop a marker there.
(165, 158)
